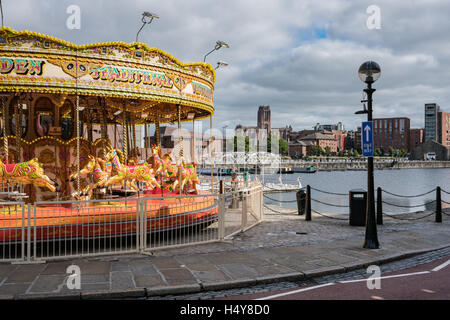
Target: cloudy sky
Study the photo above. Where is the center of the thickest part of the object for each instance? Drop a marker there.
(299, 56)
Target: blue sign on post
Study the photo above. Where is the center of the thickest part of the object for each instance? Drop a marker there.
(367, 138)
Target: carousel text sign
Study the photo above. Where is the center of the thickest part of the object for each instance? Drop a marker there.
(145, 77)
(21, 66)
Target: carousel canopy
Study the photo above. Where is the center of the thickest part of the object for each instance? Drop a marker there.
(148, 83)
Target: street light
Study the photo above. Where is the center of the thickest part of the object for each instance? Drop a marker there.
(219, 44)
(369, 72)
(221, 64)
(145, 16)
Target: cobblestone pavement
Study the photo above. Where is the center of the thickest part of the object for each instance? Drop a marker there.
(283, 250)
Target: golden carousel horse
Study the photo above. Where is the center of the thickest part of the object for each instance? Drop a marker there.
(28, 172)
(140, 173)
(97, 167)
(175, 176)
(187, 172)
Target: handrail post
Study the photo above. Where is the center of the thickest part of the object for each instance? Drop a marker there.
(245, 194)
(308, 203)
(438, 205)
(221, 226)
(379, 206)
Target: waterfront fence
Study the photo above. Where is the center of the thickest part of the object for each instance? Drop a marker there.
(432, 207)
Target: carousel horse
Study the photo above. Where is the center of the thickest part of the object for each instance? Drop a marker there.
(97, 167)
(165, 169)
(28, 172)
(156, 162)
(188, 175)
(141, 173)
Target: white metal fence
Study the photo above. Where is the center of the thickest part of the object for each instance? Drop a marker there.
(50, 230)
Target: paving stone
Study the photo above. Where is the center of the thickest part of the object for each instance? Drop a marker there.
(142, 268)
(201, 267)
(6, 270)
(48, 283)
(25, 273)
(53, 268)
(148, 281)
(94, 278)
(199, 259)
(238, 270)
(165, 263)
(179, 275)
(122, 280)
(87, 287)
(94, 267)
(274, 269)
(210, 275)
(14, 288)
(120, 266)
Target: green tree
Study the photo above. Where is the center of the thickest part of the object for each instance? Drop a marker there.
(282, 144)
(377, 152)
(403, 153)
(241, 137)
(355, 153)
(315, 150)
(391, 151)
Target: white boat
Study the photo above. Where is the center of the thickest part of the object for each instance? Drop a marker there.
(270, 187)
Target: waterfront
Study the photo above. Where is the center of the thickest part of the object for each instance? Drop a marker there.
(402, 182)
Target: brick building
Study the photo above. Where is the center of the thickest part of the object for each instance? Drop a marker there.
(391, 132)
(323, 140)
(444, 128)
(416, 138)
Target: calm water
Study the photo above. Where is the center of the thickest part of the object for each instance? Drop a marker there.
(402, 182)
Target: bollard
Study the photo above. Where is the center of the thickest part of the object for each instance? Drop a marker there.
(308, 203)
(301, 201)
(221, 190)
(379, 206)
(438, 205)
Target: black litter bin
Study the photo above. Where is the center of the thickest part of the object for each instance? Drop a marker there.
(301, 201)
(358, 203)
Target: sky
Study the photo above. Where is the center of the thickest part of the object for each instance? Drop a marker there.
(300, 57)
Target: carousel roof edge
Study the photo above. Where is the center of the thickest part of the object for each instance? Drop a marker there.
(7, 31)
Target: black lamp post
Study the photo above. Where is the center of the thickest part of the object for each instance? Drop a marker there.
(369, 72)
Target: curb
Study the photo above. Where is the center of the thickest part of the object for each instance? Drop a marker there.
(224, 285)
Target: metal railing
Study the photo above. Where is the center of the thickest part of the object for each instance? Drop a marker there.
(15, 230)
(49, 230)
(68, 229)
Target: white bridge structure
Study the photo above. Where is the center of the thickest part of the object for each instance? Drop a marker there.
(242, 158)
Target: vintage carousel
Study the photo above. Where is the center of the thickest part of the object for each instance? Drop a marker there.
(53, 96)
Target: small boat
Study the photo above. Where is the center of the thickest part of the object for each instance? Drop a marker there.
(286, 170)
(215, 172)
(309, 169)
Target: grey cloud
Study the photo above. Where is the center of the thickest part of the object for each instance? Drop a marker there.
(270, 61)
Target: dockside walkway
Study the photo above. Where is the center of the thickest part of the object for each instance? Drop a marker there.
(284, 247)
